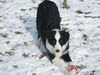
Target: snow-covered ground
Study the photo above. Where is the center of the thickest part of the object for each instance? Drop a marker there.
(19, 55)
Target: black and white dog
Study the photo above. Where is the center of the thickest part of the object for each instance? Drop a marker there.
(55, 40)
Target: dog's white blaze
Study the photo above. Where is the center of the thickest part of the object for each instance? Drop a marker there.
(57, 37)
(49, 46)
(58, 46)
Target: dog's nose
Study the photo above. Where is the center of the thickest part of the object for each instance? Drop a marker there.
(57, 50)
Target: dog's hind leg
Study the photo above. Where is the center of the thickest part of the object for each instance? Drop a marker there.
(38, 41)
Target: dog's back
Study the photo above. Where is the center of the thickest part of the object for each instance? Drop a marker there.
(48, 17)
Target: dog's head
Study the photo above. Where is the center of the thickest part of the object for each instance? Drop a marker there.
(57, 41)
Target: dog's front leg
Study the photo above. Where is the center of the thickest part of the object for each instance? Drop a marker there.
(62, 65)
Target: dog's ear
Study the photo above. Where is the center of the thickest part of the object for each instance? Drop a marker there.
(65, 29)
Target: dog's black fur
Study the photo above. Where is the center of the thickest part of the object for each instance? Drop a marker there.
(48, 18)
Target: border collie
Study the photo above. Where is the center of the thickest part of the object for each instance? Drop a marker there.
(55, 40)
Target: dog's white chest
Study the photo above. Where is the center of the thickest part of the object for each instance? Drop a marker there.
(59, 62)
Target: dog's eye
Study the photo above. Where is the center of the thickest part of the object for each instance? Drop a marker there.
(52, 41)
(60, 41)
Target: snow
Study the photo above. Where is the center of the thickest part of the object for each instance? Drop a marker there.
(20, 56)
